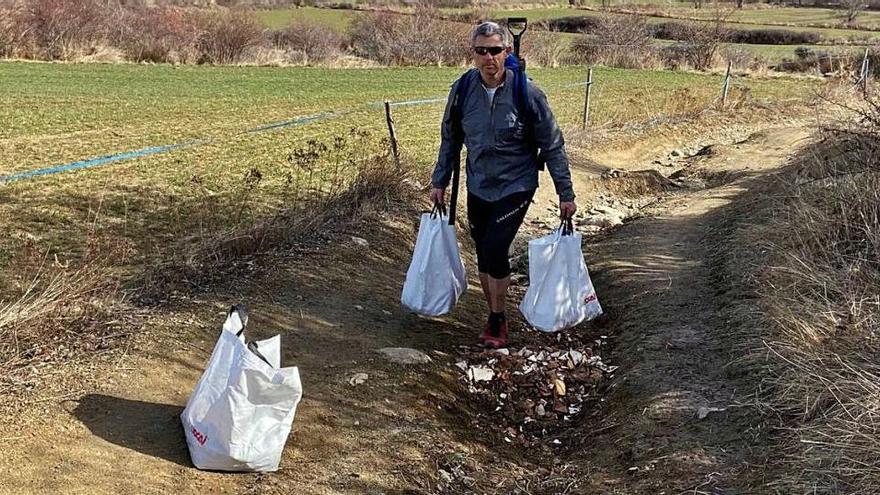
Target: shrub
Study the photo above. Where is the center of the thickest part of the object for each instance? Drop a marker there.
(545, 48)
(61, 29)
(225, 35)
(618, 41)
(11, 33)
(317, 43)
(700, 42)
(163, 34)
(578, 24)
(773, 37)
(809, 60)
(743, 59)
(419, 39)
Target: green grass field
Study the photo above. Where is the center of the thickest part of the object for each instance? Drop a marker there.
(333, 18)
(54, 113)
(753, 19)
(786, 16)
(754, 14)
(60, 113)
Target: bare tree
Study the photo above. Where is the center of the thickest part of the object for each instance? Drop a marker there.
(618, 41)
(702, 40)
(546, 48)
(852, 9)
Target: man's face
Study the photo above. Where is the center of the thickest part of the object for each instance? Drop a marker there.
(489, 64)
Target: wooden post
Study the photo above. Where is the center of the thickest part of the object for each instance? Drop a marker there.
(586, 121)
(726, 87)
(390, 120)
(864, 75)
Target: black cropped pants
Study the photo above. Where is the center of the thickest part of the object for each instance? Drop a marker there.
(493, 226)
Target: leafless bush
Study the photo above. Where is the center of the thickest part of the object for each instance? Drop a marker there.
(225, 35)
(742, 59)
(317, 43)
(851, 10)
(373, 36)
(12, 34)
(419, 39)
(700, 42)
(574, 24)
(161, 34)
(818, 61)
(87, 29)
(683, 31)
(676, 56)
(59, 29)
(618, 41)
(546, 48)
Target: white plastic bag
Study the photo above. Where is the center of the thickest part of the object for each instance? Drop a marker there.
(436, 276)
(241, 411)
(560, 293)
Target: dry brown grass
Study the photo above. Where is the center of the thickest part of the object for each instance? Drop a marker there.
(75, 306)
(327, 186)
(815, 341)
(60, 313)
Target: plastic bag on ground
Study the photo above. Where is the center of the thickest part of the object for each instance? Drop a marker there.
(560, 293)
(242, 409)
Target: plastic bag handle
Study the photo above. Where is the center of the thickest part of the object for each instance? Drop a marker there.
(438, 210)
(566, 226)
(242, 316)
(254, 347)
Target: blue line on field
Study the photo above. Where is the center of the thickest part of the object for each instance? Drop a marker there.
(130, 155)
(103, 160)
(409, 102)
(294, 122)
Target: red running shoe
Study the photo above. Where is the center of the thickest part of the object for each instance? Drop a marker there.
(495, 340)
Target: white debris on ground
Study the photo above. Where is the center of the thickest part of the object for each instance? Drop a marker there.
(534, 391)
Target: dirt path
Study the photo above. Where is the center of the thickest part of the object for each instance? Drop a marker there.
(118, 431)
(673, 422)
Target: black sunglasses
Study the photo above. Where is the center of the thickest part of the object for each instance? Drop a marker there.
(494, 50)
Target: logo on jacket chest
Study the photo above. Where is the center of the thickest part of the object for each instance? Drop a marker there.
(514, 124)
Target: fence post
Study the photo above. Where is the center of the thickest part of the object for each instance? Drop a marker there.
(865, 71)
(390, 120)
(586, 121)
(726, 88)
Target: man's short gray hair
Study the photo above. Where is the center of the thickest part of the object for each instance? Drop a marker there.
(489, 28)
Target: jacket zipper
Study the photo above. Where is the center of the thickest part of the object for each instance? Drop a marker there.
(492, 116)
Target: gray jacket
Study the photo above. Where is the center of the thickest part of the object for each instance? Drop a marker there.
(501, 158)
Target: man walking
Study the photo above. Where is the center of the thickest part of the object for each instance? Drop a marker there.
(503, 144)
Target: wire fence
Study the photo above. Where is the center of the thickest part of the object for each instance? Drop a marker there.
(593, 92)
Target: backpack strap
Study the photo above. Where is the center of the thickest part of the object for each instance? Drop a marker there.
(521, 100)
(461, 90)
(457, 114)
